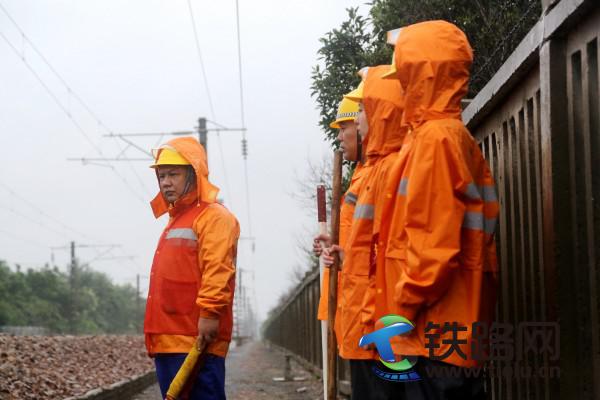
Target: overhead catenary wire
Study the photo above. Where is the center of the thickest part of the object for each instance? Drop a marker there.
(242, 114)
(65, 105)
(66, 110)
(12, 210)
(204, 76)
(210, 102)
(244, 149)
(28, 218)
(54, 97)
(68, 114)
(22, 239)
(70, 91)
(49, 217)
(241, 110)
(40, 211)
(239, 42)
(99, 255)
(38, 223)
(133, 260)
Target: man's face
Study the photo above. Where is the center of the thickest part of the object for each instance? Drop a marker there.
(361, 122)
(347, 137)
(172, 180)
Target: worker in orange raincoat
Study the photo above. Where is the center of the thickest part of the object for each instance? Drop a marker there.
(435, 250)
(351, 146)
(379, 123)
(193, 272)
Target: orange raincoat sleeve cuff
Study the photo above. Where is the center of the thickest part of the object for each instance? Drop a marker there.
(434, 216)
(218, 232)
(208, 314)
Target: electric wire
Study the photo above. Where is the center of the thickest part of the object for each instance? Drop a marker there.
(68, 114)
(49, 217)
(22, 239)
(210, 103)
(71, 92)
(242, 114)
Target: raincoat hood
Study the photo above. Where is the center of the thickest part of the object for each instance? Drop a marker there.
(383, 102)
(432, 60)
(192, 151)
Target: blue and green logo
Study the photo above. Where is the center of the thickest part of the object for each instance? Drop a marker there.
(397, 371)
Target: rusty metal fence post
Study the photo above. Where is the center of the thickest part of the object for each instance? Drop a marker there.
(294, 328)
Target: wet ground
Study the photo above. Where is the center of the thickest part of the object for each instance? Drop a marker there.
(250, 370)
(151, 393)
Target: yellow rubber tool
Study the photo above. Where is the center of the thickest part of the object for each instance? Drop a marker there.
(186, 370)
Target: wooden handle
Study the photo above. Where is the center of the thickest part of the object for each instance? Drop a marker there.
(333, 275)
(322, 218)
(321, 204)
(185, 371)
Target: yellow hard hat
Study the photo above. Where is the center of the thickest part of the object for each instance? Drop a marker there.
(167, 155)
(357, 94)
(347, 111)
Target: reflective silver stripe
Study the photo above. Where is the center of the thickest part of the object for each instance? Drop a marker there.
(473, 220)
(403, 187)
(365, 211)
(476, 221)
(489, 193)
(475, 192)
(182, 233)
(472, 192)
(350, 198)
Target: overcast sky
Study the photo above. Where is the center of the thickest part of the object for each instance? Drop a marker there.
(135, 65)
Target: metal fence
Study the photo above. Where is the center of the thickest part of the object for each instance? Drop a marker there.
(294, 326)
(537, 122)
(538, 125)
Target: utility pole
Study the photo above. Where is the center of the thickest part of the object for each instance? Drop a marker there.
(243, 313)
(137, 297)
(202, 134)
(72, 275)
(238, 310)
(72, 254)
(72, 289)
(73, 266)
(240, 306)
(242, 317)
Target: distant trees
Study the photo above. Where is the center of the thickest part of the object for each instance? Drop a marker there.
(494, 28)
(86, 302)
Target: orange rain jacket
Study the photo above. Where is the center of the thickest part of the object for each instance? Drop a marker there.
(193, 272)
(383, 103)
(346, 213)
(436, 252)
